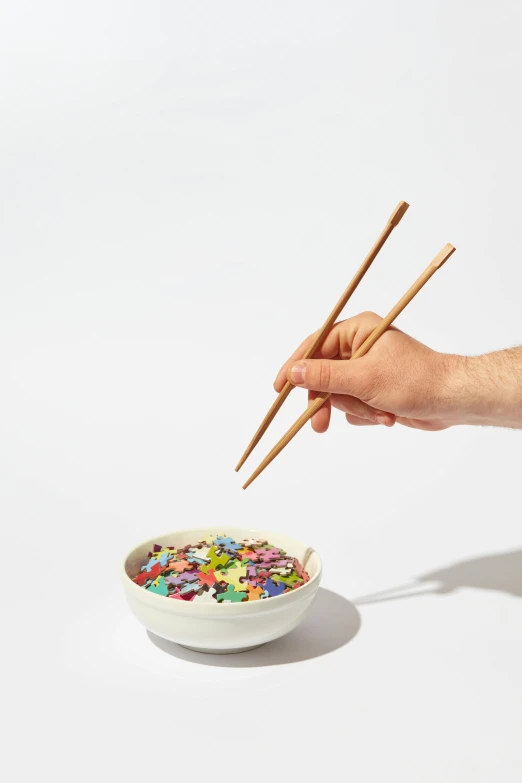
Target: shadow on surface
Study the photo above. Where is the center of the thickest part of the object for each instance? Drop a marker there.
(331, 623)
(499, 572)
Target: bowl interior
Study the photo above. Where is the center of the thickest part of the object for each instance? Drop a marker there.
(308, 557)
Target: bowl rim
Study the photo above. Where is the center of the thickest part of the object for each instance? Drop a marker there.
(225, 605)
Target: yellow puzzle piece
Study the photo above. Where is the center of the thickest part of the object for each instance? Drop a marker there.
(233, 576)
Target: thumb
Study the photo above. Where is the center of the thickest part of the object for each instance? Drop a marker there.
(336, 376)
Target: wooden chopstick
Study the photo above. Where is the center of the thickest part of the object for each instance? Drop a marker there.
(394, 220)
(437, 262)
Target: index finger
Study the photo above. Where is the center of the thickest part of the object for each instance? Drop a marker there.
(328, 348)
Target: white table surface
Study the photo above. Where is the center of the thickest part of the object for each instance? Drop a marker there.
(186, 189)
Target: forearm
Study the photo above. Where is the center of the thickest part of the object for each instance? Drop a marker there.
(485, 390)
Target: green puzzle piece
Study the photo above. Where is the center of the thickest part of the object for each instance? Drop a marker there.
(289, 581)
(215, 561)
(231, 595)
(159, 586)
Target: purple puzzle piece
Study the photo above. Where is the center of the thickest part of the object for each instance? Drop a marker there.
(182, 578)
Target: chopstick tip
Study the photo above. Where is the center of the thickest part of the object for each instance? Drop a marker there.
(443, 256)
(398, 213)
(241, 462)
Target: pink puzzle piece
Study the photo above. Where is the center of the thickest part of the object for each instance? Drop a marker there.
(300, 570)
(267, 555)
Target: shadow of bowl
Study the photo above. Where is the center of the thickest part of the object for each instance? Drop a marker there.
(331, 623)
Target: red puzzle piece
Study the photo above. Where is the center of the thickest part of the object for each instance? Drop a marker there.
(208, 579)
(154, 572)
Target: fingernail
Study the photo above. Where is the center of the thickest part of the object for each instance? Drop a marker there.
(381, 419)
(297, 373)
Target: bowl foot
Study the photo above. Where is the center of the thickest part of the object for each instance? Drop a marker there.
(221, 652)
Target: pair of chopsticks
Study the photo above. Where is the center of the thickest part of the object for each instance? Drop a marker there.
(437, 262)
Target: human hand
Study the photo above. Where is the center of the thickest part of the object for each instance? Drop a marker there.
(398, 380)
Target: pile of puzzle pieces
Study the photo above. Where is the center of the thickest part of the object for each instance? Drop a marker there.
(219, 569)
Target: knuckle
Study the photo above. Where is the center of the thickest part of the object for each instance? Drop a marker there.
(324, 375)
(369, 317)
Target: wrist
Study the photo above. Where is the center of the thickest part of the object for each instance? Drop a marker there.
(484, 390)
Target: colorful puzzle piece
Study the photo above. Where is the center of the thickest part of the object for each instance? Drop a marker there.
(154, 571)
(208, 579)
(266, 555)
(273, 589)
(200, 551)
(227, 543)
(196, 560)
(289, 581)
(300, 570)
(254, 593)
(164, 558)
(182, 578)
(152, 562)
(192, 587)
(141, 578)
(159, 587)
(180, 565)
(234, 577)
(286, 571)
(254, 542)
(246, 553)
(230, 594)
(214, 560)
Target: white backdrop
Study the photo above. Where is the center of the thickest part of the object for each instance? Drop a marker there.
(186, 188)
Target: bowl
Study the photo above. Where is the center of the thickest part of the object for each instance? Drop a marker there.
(225, 627)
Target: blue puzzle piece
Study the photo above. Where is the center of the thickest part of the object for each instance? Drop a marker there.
(191, 588)
(166, 556)
(149, 565)
(198, 560)
(274, 589)
(227, 543)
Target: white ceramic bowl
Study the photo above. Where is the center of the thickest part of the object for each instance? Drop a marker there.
(227, 627)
